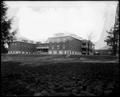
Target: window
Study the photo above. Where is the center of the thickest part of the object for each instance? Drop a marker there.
(16, 52)
(68, 52)
(63, 46)
(23, 52)
(50, 52)
(72, 52)
(54, 52)
(76, 53)
(58, 46)
(60, 52)
(12, 52)
(65, 52)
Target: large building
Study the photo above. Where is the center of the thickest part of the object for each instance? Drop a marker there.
(62, 45)
(87, 47)
(65, 45)
(106, 50)
(21, 47)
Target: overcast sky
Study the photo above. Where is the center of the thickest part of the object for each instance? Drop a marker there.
(39, 20)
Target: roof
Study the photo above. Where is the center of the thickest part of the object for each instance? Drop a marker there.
(23, 41)
(55, 37)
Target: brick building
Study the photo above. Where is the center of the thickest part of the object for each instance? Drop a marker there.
(87, 47)
(63, 45)
(20, 47)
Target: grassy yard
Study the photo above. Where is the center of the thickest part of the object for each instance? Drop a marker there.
(57, 58)
(58, 76)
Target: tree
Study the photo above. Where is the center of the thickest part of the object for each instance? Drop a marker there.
(113, 35)
(6, 36)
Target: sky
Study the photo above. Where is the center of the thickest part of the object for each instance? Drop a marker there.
(40, 20)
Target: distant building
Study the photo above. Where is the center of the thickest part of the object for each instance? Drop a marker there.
(87, 47)
(65, 45)
(106, 50)
(20, 47)
(62, 45)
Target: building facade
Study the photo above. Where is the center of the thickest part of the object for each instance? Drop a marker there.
(64, 45)
(20, 47)
(42, 48)
(87, 47)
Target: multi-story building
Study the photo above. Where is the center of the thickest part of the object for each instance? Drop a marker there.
(87, 47)
(63, 45)
(20, 47)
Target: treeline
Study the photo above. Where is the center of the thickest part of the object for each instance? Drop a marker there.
(6, 36)
(113, 35)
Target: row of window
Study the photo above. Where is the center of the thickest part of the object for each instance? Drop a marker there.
(22, 52)
(18, 52)
(64, 52)
(50, 52)
(57, 40)
(58, 47)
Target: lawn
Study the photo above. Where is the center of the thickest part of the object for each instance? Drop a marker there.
(31, 59)
(58, 78)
